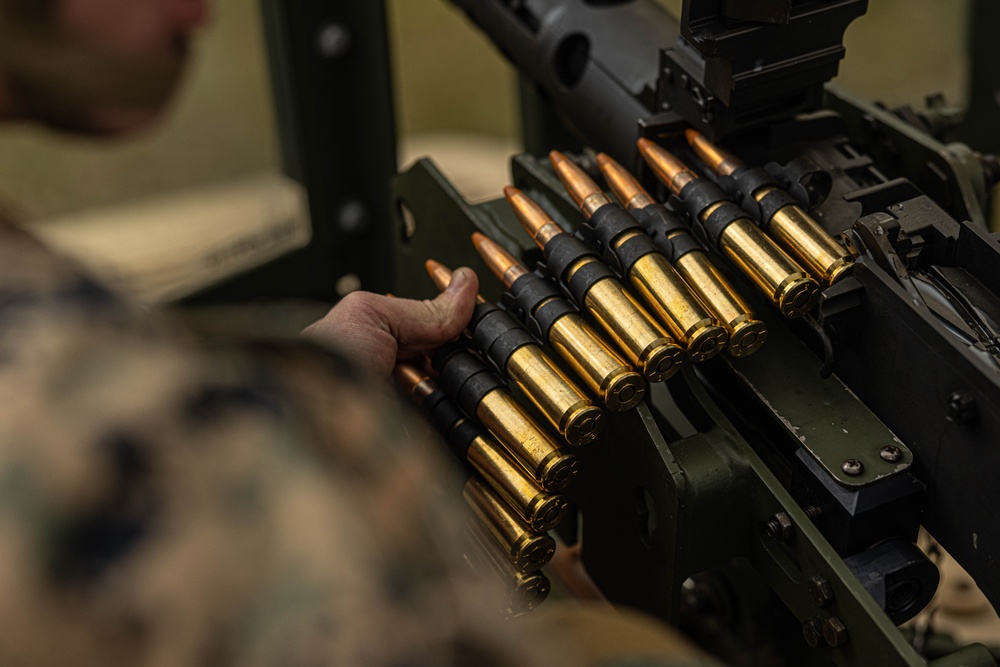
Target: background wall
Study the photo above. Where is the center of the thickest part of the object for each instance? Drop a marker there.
(450, 84)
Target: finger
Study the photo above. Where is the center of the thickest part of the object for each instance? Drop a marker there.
(425, 325)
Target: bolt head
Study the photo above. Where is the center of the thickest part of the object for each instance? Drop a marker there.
(820, 590)
(812, 632)
(835, 632)
(779, 527)
(853, 467)
(891, 453)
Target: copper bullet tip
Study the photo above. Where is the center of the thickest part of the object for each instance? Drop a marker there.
(718, 160)
(415, 383)
(408, 376)
(535, 221)
(625, 186)
(500, 262)
(441, 276)
(584, 191)
(439, 273)
(667, 168)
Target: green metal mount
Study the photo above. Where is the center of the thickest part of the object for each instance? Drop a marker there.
(657, 512)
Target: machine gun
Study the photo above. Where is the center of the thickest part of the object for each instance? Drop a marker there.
(788, 485)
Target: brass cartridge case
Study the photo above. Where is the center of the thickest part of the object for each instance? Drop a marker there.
(644, 342)
(602, 370)
(522, 591)
(528, 551)
(771, 270)
(485, 455)
(542, 511)
(551, 467)
(794, 229)
(571, 413)
(651, 275)
(605, 373)
(663, 290)
(567, 409)
(800, 235)
(746, 333)
(767, 265)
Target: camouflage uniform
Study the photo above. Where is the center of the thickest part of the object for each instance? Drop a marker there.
(166, 500)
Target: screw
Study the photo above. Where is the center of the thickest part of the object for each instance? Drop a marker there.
(835, 632)
(962, 408)
(820, 590)
(891, 453)
(814, 512)
(812, 632)
(779, 527)
(853, 467)
(334, 41)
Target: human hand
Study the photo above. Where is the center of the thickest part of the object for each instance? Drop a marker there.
(375, 331)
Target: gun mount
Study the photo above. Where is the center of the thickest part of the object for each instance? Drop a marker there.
(788, 485)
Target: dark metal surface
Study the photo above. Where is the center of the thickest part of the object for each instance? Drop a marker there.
(594, 64)
(658, 512)
(773, 475)
(333, 92)
(724, 75)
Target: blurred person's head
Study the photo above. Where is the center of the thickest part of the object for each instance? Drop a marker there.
(96, 66)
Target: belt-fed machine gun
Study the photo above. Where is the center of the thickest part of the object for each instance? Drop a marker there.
(788, 484)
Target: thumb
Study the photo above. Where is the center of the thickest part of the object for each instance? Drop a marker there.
(425, 325)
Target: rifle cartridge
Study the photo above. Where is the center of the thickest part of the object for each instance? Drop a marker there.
(522, 591)
(794, 229)
(668, 232)
(519, 357)
(528, 551)
(473, 446)
(735, 235)
(595, 289)
(551, 317)
(478, 391)
(639, 262)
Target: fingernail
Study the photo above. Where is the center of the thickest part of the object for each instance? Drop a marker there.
(458, 280)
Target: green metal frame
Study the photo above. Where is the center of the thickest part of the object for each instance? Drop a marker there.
(661, 511)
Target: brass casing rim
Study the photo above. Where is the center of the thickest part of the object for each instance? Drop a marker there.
(747, 337)
(558, 470)
(661, 360)
(623, 381)
(532, 552)
(547, 511)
